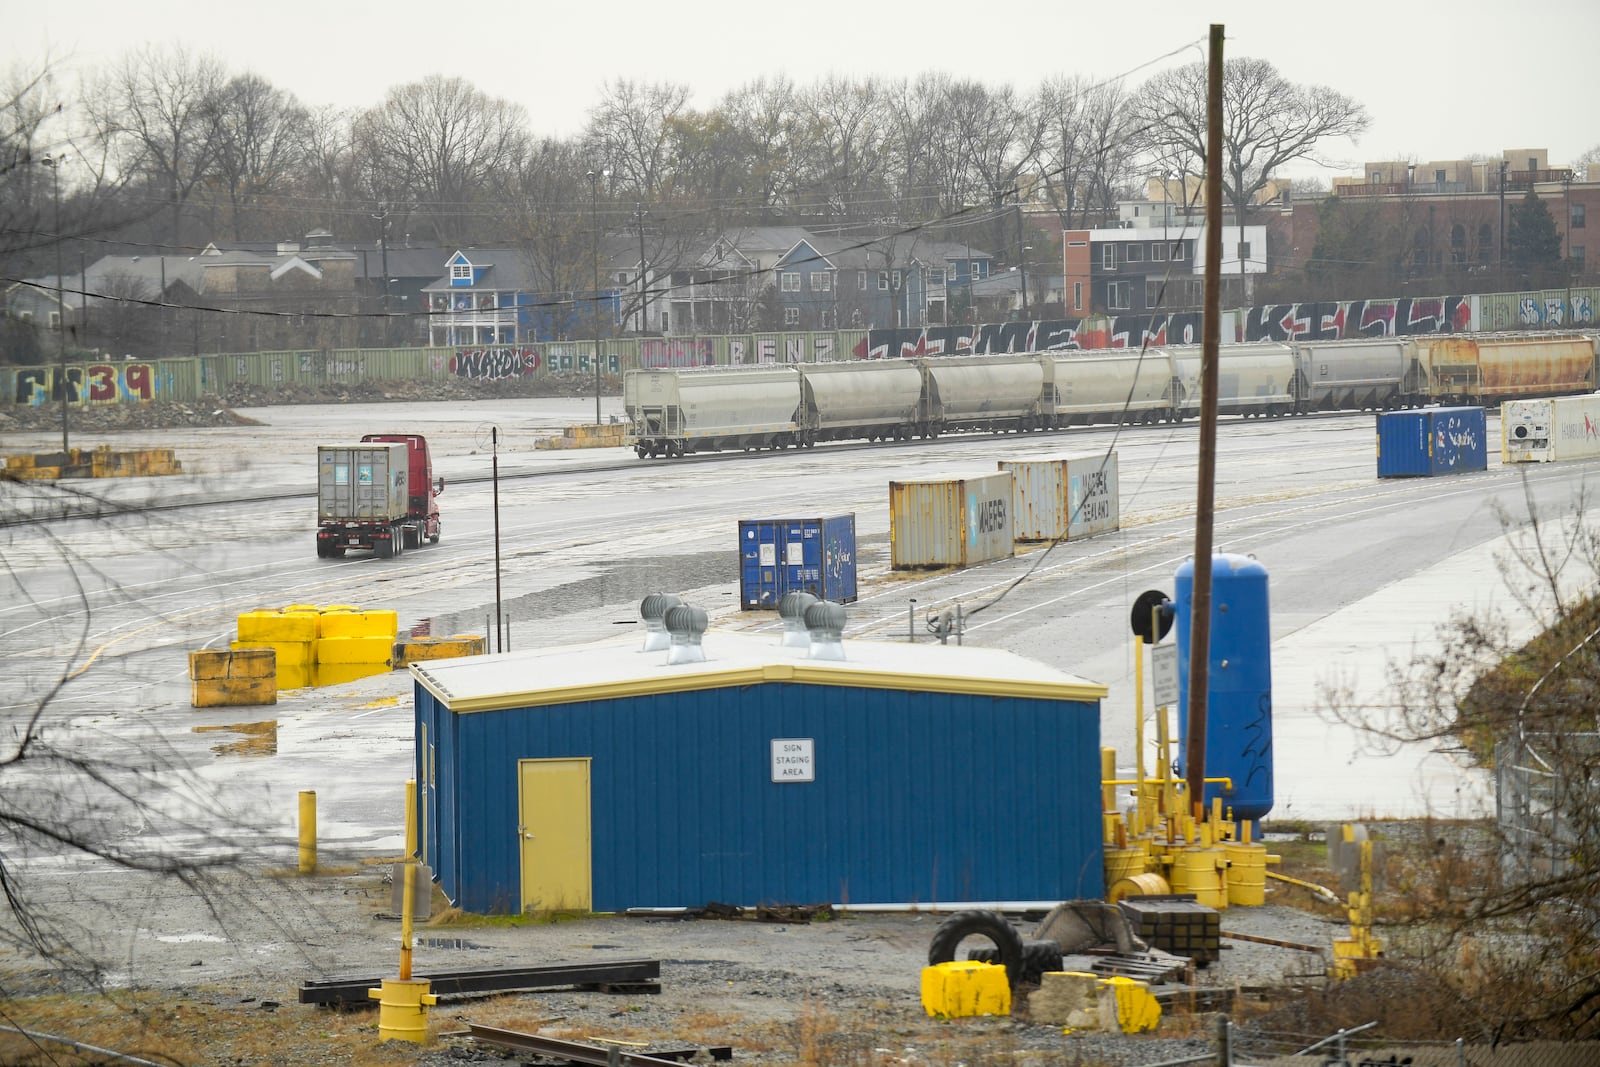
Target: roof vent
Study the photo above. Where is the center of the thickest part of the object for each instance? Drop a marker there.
(825, 621)
(792, 610)
(651, 610)
(685, 625)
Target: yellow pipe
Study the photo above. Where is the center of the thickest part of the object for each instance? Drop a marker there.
(1108, 779)
(1226, 783)
(1138, 726)
(308, 831)
(409, 890)
(1322, 891)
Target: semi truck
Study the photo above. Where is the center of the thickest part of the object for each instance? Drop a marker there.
(379, 494)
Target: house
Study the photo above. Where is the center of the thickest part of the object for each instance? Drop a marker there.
(1142, 270)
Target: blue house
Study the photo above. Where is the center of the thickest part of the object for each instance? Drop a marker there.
(491, 296)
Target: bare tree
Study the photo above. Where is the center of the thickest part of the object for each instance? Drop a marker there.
(1087, 148)
(841, 155)
(631, 131)
(435, 144)
(1267, 122)
(157, 107)
(263, 138)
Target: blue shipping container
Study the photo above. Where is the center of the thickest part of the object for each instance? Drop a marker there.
(778, 556)
(1432, 441)
(1238, 682)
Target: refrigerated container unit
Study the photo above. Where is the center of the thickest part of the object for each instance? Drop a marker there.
(1545, 431)
(951, 522)
(1427, 442)
(1064, 497)
(778, 556)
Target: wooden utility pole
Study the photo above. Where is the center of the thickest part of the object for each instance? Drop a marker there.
(1205, 495)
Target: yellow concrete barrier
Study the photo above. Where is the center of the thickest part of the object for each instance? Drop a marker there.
(349, 622)
(216, 663)
(340, 673)
(368, 650)
(420, 649)
(959, 989)
(233, 692)
(272, 627)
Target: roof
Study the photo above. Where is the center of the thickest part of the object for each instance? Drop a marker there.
(616, 668)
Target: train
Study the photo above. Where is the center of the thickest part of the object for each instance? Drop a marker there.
(680, 411)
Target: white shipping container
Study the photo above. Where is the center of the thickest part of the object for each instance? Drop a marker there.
(950, 523)
(1545, 431)
(362, 483)
(1063, 497)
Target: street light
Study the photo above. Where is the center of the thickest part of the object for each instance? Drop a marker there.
(54, 163)
(594, 248)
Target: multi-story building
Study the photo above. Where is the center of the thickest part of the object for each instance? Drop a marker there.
(1141, 269)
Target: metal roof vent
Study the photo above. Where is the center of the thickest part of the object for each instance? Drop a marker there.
(652, 610)
(686, 625)
(825, 621)
(792, 610)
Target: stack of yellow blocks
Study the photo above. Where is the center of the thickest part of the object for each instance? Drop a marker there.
(229, 679)
(322, 645)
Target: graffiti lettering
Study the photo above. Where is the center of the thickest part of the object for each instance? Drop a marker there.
(992, 515)
(687, 353)
(494, 364)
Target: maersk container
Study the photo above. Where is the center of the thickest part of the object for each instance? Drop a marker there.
(778, 556)
(362, 483)
(1238, 683)
(1067, 497)
(1544, 431)
(951, 522)
(1431, 441)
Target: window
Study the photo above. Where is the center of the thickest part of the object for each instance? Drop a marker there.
(897, 279)
(1077, 296)
(861, 280)
(1108, 257)
(791, 316)
(1177, 252)
(1152, 293)
(883, 281)
(1577, 258)
(1117, 295)
(461, 272)
(1158, 253)
(821, 281)
(666, 320)
(623, 277)
(1577, 216)
(791, 281)
(1458, 244)
(1438, 177)
(1136, 253)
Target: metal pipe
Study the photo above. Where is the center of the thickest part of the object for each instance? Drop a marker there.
(1321, 891)
(78, 1046)
(408, 891)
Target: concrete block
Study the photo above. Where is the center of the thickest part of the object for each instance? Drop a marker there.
(420, 649)
(340, 673)
(369, 650)
(1126, 1006)
(286, 653)
(233, 692)
(1066, 998)
(964, 988)
(353, 623)
(213, 664)
(274, 627)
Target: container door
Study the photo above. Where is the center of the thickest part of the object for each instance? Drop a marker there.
(553, 827)
(837, 558)
(799, 555)
(760, 563)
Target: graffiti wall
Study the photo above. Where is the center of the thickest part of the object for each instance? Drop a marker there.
(95, 383)
(495, 363)
(673, 352)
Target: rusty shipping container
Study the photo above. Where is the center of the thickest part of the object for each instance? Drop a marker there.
(1063, 497)
(951, 522)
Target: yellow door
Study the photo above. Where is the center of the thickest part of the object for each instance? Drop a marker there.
(553, 817)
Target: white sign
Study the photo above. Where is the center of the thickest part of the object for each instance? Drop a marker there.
(794, 759)
(768, 555)
(1164, 674)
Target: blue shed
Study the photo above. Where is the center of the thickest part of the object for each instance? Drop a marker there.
(599, 777)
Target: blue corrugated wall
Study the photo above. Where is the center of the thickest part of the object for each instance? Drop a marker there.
(918, 797)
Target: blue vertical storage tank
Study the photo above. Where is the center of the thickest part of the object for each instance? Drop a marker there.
(1432, 441)
(778, 556)
(1239, 690)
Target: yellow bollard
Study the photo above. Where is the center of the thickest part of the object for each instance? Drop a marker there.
(402, 1009)
(308, 831)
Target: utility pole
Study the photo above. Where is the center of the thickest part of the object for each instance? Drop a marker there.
(382, 217)
(1205, 496)
(644, 292)
(1022, 256)
(1502, 259)
(54, 163)
(594, 249)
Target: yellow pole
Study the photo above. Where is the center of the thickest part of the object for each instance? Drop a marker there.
(308, 831)
(408, 891)
(1138, 729)
(1108, 774)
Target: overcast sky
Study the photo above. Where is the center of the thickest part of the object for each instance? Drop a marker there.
(1441, 81)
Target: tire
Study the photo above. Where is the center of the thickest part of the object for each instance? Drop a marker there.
(988, 924)
(1038, 957)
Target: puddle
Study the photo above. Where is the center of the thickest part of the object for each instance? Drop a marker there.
(259, 738)
(624, 582)
(188, 939)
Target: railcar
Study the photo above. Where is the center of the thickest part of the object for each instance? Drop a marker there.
(872, 399)
(982, 393)
(1110, 386)
(1487, 369)
(1365, 374)
(706, 409)
(1252, 379)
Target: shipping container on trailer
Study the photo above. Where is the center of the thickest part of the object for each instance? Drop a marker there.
(362, 483)
(953, 522)
(1087, 387)
(677, 411)
(1426, 442)
(778, 556)
(1545, 431)
(1063, 497)
(861, 398)
(1366, 374)
(983, 392)
(1252, 379)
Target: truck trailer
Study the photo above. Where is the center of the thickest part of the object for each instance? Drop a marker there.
(378, 494)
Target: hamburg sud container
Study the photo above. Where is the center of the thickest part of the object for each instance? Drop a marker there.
(778, 556)
(1238, 686)
(1067, 497)
(1546, 431)
(362, 483)
(1431, 441)
(950, 523)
